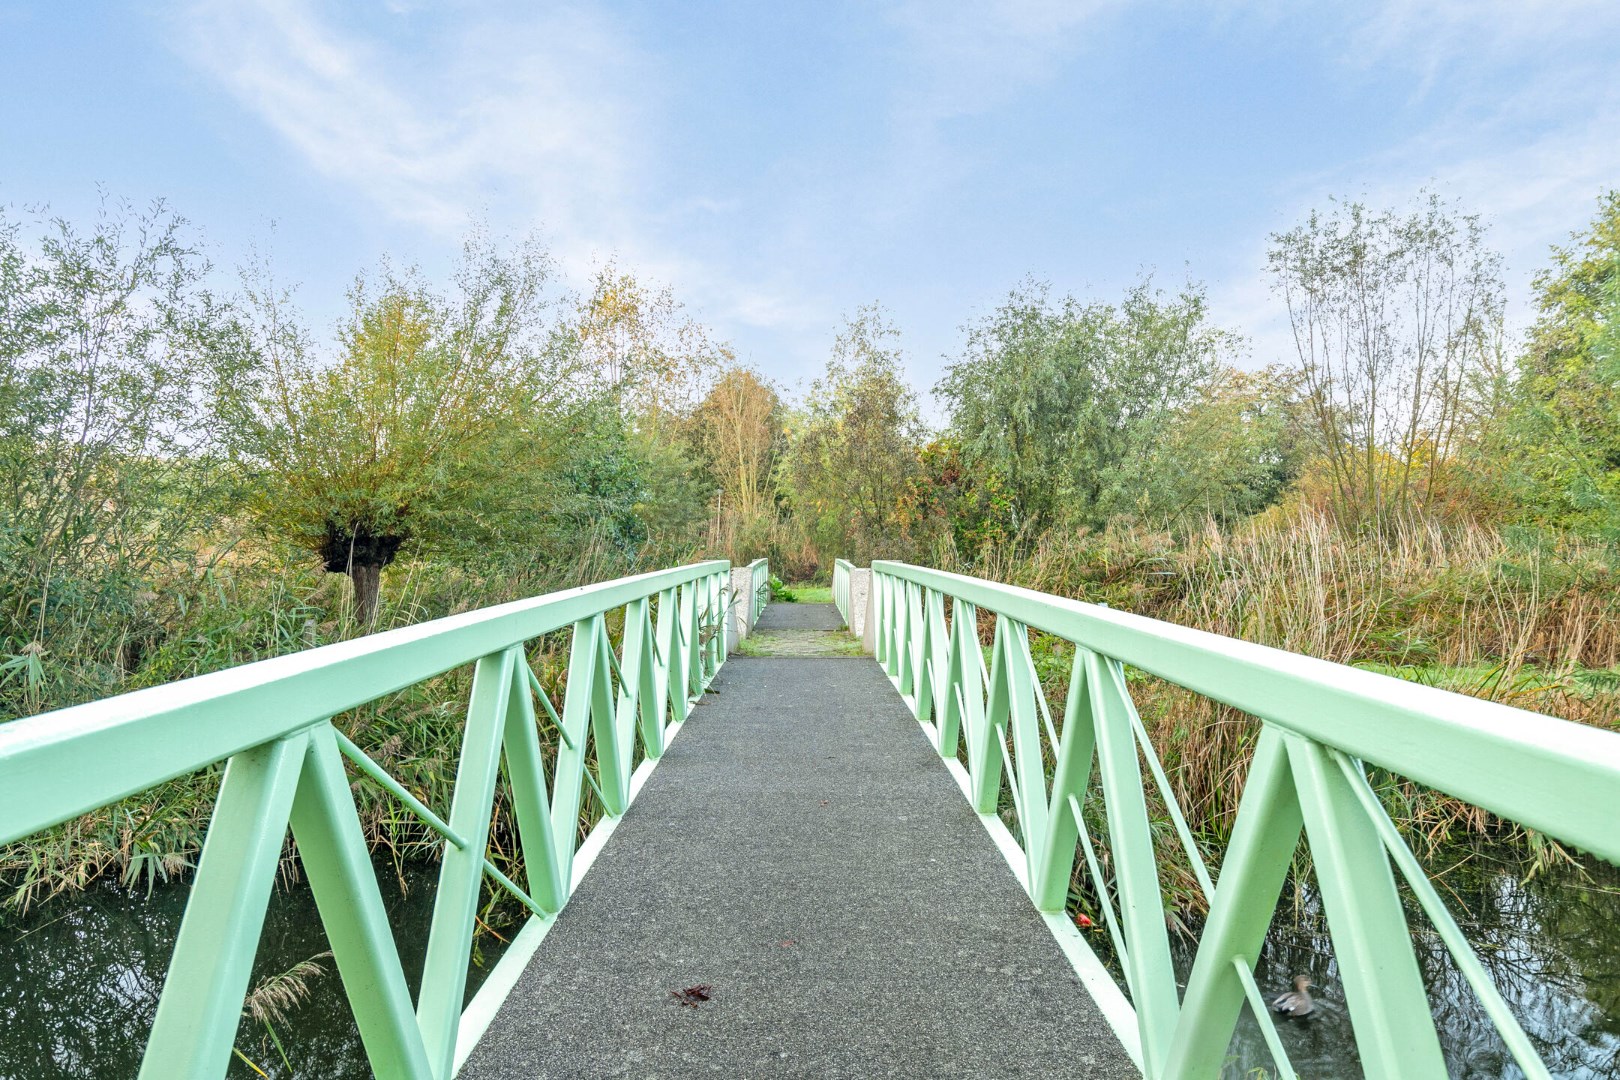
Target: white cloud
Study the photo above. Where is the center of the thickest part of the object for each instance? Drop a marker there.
(519, 113)
(971, 59)
(1427, 35)
(529, 115)
(1526, 143)
(526, 118)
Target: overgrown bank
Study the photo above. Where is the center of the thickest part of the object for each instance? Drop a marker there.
(1518, 618)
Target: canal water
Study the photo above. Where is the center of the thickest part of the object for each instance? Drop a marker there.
(79, 978)
(1550, 943)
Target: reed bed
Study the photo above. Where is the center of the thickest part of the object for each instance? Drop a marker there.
(1520, 618)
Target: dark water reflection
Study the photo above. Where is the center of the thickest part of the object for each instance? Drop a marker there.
(79, 982)
(1552, 946)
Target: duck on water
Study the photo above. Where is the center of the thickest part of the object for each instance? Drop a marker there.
(1296, 1002)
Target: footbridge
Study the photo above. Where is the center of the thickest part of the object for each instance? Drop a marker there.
(814, 840)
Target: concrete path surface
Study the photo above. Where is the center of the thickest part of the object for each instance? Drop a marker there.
(800, 617)
(802, 630)
(803, 867)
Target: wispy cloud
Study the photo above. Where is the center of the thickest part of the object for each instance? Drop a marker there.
(1428, 35)
(1527, 144)
(971, 59)
(560, 117)
(519, 113)
(525, 118)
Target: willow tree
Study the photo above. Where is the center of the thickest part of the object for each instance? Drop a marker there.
(423, 430)
(1060, 401)
(112, 350)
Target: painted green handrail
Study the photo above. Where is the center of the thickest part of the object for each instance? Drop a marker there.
(1321, 724)
(759, 579)
(271, 722)
(842, 570)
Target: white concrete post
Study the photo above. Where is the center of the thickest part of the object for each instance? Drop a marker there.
(740, 613)
(860, 609)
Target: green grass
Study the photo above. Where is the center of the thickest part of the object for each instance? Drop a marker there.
(812, 594)
(800, 643)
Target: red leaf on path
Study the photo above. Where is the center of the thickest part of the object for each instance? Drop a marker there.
(692, 995)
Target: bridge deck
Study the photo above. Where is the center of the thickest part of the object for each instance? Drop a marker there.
(803, 854)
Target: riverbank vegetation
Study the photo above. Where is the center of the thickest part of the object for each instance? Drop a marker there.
(194, 476)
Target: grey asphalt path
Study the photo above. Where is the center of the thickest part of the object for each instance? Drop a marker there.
(800, 617)
(802, 853)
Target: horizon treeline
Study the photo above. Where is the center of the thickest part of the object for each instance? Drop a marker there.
(176, 456)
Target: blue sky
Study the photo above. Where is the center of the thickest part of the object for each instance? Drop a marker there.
(780, 164)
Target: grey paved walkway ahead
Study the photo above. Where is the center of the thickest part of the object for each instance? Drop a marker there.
(800, 617)
(802, 853)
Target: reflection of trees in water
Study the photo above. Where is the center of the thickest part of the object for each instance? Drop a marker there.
(1552, 946)
(79, 983)
(75, 987)
(79, 980)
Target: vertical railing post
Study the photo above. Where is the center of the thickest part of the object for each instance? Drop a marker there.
(672, 659)
(1383, 987)
(1264, 837)
(964, 689)
(933, 683)
(911, 653)
(1149, 971)
(1071, 775)
(461, 874)
(893, 611)
(201, 1005)
(987, 780)
(525, 771)
(610, 727)
(691, 616)
(1024, 722)
(640, 678)
(332, 850)
(568, 776)
(717, 640)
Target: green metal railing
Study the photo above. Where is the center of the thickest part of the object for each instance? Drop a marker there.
(759, 577)
(842, 569)
(271, 722)
(1322, 725)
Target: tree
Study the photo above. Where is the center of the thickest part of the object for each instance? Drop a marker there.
(967, 507)
(1394, 314)
(740, 426)
(639, 350)
(1229, 454)
(1561, 441)
(428, 428)
(638, 346)
(1059, 401)
(855, 453)
(113, 354)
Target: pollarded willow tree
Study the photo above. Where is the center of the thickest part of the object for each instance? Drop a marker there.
(428, 426)
(1396, 317)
